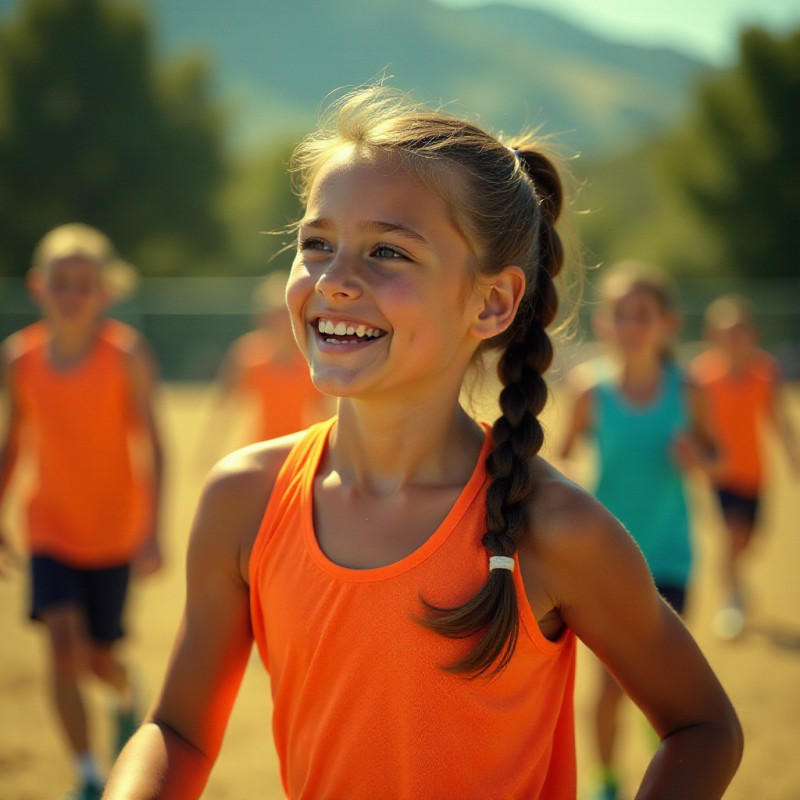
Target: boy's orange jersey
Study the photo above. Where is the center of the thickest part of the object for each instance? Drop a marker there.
(88, 504)
(739, 401)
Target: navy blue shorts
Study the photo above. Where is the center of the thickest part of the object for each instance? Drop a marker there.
(99, 593)
(674, 595)
(737, 504)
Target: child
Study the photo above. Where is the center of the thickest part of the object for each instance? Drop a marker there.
(265, 367)
(743, 387)
(80, 389)
(641, 414)
(414, 580)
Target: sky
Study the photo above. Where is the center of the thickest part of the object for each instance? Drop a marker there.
(705, 29)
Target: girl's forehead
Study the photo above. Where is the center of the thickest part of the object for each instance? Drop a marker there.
(72, 266)
(372, 183)
(638, 296)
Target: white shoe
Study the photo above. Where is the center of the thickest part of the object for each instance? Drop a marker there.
(729, 622)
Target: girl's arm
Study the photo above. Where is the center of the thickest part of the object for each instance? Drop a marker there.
(172, 754)
(598, 581)
(580, 420)
(697, 447)
(143, 372)
(778, 415)
(9, 453)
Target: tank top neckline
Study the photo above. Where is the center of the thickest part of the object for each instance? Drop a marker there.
(661, 394)
(82, 365)
(464, 500)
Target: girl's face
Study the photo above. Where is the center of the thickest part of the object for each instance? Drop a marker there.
(71, 291)
(639, 326)
(380, 292)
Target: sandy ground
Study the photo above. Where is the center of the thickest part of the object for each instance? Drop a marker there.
(761, 671)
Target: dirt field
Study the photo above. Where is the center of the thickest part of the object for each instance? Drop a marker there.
(761, 671)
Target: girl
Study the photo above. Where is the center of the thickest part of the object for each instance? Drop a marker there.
(414, 580)
(80, 389)
(744, 389)
(646, 423)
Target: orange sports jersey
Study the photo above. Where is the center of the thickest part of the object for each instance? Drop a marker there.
(738, 402)
(286, 397)
(362, 709)
(88, 503)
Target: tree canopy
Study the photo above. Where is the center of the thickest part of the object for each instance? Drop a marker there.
(719, 195)
(92, 129)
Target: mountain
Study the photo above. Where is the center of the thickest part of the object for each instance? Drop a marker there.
(506, 66)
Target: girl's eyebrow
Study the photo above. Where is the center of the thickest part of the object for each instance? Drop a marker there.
(372, 225)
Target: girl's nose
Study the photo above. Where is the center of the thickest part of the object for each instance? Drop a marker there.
(339, 279)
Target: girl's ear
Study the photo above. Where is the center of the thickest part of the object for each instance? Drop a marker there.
(34, 282)
(500, 303)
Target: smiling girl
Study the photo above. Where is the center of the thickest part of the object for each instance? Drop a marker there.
(414, 579)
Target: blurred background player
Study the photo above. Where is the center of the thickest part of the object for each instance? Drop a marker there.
(743, 387)
(647, 425)
(264, 375)
(80, 392)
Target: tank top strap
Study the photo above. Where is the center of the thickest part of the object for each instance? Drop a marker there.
(306, 450)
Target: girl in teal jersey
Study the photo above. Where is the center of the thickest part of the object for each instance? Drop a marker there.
(648, 425)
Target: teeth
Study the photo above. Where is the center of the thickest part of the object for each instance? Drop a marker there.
(342, 328)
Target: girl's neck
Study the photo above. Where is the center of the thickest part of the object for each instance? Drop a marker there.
(69, 345)
(381, 450)
(640, 378)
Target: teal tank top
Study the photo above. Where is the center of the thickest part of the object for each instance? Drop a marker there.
(638, 478)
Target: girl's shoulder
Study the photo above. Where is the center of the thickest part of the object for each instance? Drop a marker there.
(235, 494)
(562, 514)
(571, 536)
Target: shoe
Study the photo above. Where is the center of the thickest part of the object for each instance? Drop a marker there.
(125, 725)
(729, 622)
(90, 791)
(609, 791)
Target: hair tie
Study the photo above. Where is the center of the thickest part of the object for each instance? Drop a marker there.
(501, 562)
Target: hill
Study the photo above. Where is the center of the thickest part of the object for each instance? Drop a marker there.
(508, 66)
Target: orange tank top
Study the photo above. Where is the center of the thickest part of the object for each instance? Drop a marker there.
(284, 392)
(88, 504)
(738, 402)
(362, 709)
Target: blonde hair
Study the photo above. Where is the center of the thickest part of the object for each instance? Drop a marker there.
(504, 198)
(727, 311)
(77, 240)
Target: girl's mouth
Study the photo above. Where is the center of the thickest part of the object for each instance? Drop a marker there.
(343, 332)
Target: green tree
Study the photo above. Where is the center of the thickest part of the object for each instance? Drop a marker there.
(258, 206)
(738, 161)
(92, 129)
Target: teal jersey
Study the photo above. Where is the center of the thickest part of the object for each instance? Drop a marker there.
(638, 477)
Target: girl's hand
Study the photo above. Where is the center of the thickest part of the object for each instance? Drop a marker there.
(689, 452)
(10, 560)
(149, 559)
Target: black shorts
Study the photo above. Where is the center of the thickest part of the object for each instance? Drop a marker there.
(738, 504)
(674, 595)
(99, 593)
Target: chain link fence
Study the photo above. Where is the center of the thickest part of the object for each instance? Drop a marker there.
(192, 321)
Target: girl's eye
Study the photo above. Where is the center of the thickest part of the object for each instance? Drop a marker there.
(312, 244)
(386, 251)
